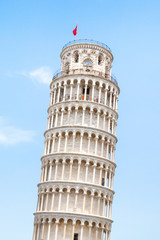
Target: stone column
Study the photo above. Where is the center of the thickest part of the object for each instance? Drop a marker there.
(38, 230)
(48, 147)
(67, 203)
(106, 91)
(50, 170)
(49, 230)
(79, 167)
(47, 196)
(59, 89)
(106, 173)
(78, 90)
(62, 112)
(75, 203)
(82, 226)
(114, 100)
(99, 196)
(110, 209)
(53, 143)
(56, 169)
(63, 168)
(89, 143)
(69, 113)
(110, 99)
(104, 121)
(83, 116)
(86, 175)
(96, 233)
(54, 101)
(51, 124)
(56, 230)
(52, 201)
(43, 225)
(70, 171)
(107, 148)
(111, 147)
(112, 176)
(107, 208)
(102, 146)
(66, 138)
(103, 210)
(73, 230)
(98, 118)
(74, 135)
(45, 147)
(56, 119)
(71, 90)
(60, 198)
(93, 86)
(89, 234)
(81, 142)
(109, 181)
(64, 93)
(99, 98)
(91, 206)
(91, 114)
(102, 233)
(112, 125)
(94, 170)
(64, 230)
(59, 142)
(108, 123)
(106, 237)
(42, 200)
(96, 141)
(45, 173)
(100, 175)
(85, 93)
(75, 119)
(116, 103)
(38, 203)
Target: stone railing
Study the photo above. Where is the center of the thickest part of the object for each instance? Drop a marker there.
(85, 71)
(79, 41)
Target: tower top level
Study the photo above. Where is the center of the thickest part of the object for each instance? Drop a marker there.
(87, 56)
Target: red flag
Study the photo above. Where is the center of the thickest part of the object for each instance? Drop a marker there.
(75, 31)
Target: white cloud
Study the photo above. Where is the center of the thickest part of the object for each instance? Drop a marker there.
(40, 75)
(10, 135)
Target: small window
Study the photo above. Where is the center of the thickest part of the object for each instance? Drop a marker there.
(102, 181)
(99, 59)
(87, 63)
(76, 236)
(76, 57)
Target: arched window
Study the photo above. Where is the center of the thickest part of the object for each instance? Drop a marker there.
(87, 62)
(99, 59)
(76, 57)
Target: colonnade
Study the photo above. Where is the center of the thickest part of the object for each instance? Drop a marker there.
(79, 141)
(77, 170)
(84, 116)
(75, 200)
(85, 90)
(54, 228)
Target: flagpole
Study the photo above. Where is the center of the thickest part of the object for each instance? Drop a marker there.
(77, 32)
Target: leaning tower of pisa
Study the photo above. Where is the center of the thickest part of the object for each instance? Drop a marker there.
(75, 192)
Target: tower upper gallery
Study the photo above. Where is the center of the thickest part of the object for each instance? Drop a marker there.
(87, 56)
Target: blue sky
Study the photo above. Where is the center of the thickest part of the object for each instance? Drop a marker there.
(32, 36)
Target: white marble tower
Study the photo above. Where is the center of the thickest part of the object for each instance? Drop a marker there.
(75, 192)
